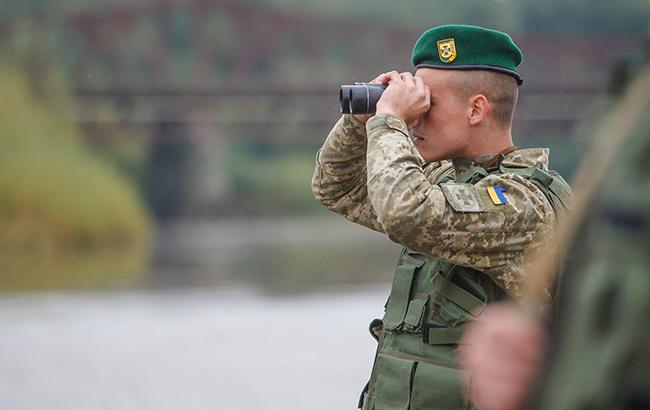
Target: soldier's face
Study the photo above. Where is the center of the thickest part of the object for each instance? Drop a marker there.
(443, 131)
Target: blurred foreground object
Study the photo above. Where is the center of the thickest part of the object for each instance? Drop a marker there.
(503, 351)
(599, 356)
(599, 349)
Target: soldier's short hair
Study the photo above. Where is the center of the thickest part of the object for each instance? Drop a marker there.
(501, 90)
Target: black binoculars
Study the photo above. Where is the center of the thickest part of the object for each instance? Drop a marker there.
(360, 98)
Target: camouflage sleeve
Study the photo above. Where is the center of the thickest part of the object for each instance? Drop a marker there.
(457, 222)
(339, 181)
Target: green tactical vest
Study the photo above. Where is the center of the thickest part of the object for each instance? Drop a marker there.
(430, 300)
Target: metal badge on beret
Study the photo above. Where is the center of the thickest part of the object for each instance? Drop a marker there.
(447, 50)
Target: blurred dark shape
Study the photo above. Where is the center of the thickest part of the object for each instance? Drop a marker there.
(624, 70)
(168, 170)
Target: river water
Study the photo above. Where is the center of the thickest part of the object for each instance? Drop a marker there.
(187, 349)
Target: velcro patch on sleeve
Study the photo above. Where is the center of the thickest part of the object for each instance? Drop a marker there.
(463, 197)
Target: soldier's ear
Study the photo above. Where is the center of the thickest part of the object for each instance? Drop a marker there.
(478, 109)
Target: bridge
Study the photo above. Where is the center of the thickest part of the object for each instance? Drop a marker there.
(244, 66)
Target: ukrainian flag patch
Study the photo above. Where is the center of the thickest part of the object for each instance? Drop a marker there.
(496, 195)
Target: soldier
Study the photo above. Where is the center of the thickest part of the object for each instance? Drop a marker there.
(435, 169)
(598, 354)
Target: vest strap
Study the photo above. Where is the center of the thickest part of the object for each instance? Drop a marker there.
(542, 176)
(415, 312)
(525, 172)
(562, 190)
(471, 173)
(442, 335)
(458, 295)
(399, 297)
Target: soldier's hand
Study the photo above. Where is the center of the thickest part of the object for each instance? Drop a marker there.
(502, 350)
(406, 96)
(383, 78)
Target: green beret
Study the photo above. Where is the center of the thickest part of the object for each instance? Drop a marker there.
(462, 47)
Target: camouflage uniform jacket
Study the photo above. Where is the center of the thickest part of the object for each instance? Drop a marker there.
(373, 175)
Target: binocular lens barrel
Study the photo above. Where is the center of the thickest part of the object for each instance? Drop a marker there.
(360, 98)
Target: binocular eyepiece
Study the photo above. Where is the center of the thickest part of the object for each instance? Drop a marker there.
(360, 98)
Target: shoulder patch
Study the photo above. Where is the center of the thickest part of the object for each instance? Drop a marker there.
(463, 197)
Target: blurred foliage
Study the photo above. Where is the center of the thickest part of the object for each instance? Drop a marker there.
(272, 181)
(56, 197)
(99, 268)
(126, 150)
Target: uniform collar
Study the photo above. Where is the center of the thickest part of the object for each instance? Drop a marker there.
(527, 157)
